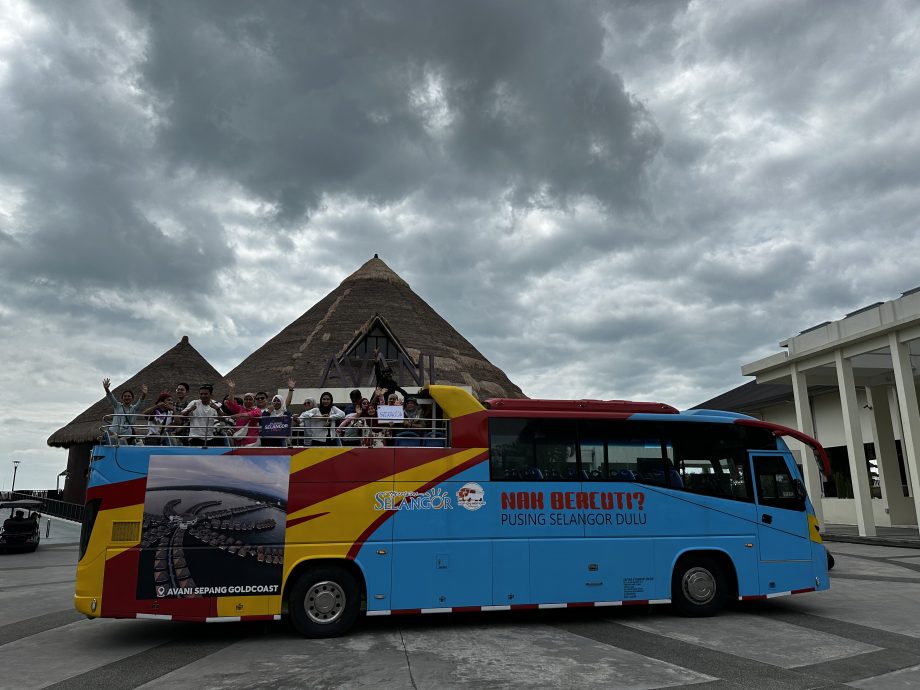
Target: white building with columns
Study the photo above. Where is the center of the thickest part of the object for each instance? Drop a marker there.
(851, 384)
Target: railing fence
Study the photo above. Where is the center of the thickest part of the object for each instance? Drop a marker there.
(50, 506)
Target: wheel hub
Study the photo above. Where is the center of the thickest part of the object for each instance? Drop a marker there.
(324, 602)
(699, 585)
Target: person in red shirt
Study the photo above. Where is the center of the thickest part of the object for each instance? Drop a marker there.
(246, 415)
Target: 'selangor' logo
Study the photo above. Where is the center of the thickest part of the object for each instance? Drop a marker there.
(433, 499)
(471, 496)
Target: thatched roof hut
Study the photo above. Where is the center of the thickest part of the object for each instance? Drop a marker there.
(180, 363)
(329, 345)
(372, 305)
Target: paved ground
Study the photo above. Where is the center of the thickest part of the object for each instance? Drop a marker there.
(864, 633)
(885, 536)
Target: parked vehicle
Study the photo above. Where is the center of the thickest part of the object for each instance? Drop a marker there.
(21, 531)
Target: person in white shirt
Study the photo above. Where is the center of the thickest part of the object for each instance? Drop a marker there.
(311, 426)
(320, 423)
(202, 416)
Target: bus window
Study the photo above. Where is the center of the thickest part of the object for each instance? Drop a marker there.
(554, 450)
(634, 454)
(756, 438)
(712, 460)
(591, 446)
(775, 485)
(533, 450)
(511, 444)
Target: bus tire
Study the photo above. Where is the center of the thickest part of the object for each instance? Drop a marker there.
(698, 586)
(324, 602)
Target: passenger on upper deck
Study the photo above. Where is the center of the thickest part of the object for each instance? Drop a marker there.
(180, 426)
(353, 427)
(246, 415)
(323, 420)
(355, 397)
(384, 374)
(307, 423)
(374, 436)
(125, 416)
(202, 416)
(181, 397)
(412, 414)
(278, 409)
(159, 418)
(262, 402)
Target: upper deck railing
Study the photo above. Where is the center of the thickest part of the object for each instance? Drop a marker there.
(372, 432)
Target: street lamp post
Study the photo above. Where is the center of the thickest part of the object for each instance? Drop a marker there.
(15, 467)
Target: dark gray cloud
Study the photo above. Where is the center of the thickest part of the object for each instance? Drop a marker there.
(623, 199)
(379, 102)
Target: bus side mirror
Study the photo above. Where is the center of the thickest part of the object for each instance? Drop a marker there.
(800, 492)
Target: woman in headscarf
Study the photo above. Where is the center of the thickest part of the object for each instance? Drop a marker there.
(276, 420)
(412, 413)
(412, 423)
(324, 420)
(246, 415)
(307, 423)
(375, 436)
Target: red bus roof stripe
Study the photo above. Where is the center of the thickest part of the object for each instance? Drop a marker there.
(620, 406)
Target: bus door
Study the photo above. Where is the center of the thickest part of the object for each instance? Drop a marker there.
(782, 522)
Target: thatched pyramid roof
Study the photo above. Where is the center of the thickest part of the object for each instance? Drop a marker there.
(373, 294)
(180, 363)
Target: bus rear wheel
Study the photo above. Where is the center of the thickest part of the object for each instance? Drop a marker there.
(698, 587)
(324, 602)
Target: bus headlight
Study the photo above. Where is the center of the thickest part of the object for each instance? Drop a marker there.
(92, 605)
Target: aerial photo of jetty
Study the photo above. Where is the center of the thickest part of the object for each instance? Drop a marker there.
(213, 525)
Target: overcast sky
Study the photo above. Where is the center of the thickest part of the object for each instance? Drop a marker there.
(609, 200)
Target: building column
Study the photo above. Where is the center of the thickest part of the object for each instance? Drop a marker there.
(813, 482)
(846, 385)
(910, 413)
(899, 432)
(886, 454)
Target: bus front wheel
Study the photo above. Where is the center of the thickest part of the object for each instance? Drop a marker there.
(324, 602)
(698, 586)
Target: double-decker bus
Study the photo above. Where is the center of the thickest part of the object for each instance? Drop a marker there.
(515, 504)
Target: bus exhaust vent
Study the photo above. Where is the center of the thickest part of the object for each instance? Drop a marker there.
(126, 531)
